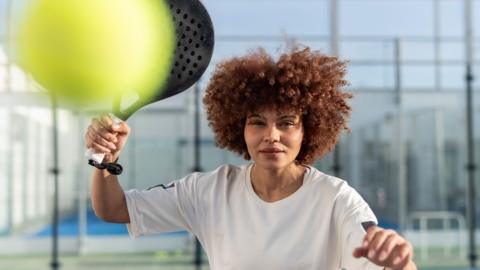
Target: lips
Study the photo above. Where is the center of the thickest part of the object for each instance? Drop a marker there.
(271, 150)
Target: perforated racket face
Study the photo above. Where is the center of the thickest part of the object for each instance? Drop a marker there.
(193, 52)
(195, 40)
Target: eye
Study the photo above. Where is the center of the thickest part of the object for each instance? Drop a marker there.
(256, 122)
(287, 123)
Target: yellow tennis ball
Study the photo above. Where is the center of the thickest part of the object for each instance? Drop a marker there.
(94, 50)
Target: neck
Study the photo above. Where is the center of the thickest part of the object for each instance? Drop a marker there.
(275, 184)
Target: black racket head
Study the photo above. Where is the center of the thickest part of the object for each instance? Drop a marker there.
(193, 52)
(195, 42)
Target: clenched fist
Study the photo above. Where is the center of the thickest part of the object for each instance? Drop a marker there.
(105, 136)
(386, 248)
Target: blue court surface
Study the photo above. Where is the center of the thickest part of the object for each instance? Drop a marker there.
(69, 226)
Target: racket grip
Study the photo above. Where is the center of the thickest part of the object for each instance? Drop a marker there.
(90, 153)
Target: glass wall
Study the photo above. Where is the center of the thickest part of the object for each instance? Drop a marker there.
(406, 71)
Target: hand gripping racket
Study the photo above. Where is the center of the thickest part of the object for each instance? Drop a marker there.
(193, 52)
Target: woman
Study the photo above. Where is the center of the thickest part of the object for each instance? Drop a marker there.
(277, 212)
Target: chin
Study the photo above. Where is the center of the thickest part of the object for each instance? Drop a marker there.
(272, 164)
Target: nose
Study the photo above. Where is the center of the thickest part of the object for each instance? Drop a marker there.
(272, 134)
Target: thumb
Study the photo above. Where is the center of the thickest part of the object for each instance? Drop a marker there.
(359, 252)
(121, 128)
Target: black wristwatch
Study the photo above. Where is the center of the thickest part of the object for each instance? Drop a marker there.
(113, 168)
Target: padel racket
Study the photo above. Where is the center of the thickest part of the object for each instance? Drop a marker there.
(194, 47)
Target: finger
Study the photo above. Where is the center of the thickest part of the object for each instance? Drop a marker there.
(360, 252)
(403, 255)
(107, 135)
(370, 235)
(379, 239)
(106, 120)
(121, 127)
(97, 138)
(386, 250)
(98, 124)
(99, 148)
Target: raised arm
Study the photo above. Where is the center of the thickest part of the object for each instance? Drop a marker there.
(108, 198)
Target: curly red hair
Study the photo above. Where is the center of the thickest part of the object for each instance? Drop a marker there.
(307, 82)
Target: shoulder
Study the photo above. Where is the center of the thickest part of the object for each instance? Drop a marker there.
(346, 202)
(328, 183)
(222, 175)
(334, 188)
(223, 172)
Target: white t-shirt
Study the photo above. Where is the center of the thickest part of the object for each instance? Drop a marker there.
(316, 227)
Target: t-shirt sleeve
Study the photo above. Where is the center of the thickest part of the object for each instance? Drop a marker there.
(357, 216)
(163, 208)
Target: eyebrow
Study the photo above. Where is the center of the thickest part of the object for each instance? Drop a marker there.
(288, 116)
(254, 115)
(280, 118)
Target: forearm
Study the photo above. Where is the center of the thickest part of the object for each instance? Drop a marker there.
(108, 198)
(410, 266)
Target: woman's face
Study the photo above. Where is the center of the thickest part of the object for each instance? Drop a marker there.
(273, 138)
